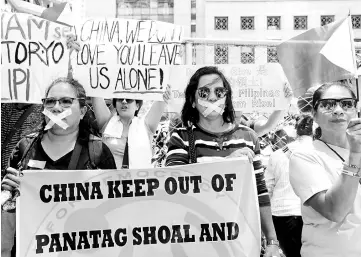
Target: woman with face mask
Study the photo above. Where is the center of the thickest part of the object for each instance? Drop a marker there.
(64, 142)
(326, 176)
(208, 115)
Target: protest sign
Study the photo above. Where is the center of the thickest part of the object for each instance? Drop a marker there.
(33, 54)
(127, 58)
(254, 87)
(208, 209)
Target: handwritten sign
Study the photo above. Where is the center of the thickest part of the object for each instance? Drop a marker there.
(254, 87)
(33, 55)
(130, 58)
(206, 209)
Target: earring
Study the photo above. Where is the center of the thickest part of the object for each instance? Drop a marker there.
(193, 105)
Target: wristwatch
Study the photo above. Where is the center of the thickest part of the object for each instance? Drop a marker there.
(273, 242)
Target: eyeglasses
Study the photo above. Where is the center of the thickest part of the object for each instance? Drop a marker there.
(129, 101)
(347, 104)
(65, 102)
(205, 92)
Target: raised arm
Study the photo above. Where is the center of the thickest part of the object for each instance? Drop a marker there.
(263, 127)
(101, 111)
(155, 113)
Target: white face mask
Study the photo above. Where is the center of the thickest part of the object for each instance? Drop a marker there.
(57, 119)
(210, 107)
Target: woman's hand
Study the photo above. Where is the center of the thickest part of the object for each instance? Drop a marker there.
(11, 180)
(71, 43)
(245, 151)
(167, 94)
(287, 90)
(353, 133)
(272, 251)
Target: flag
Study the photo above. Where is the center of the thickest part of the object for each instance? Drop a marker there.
(319, 55)
(60, 12)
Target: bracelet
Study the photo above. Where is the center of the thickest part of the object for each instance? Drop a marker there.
(351, 174)
(273, 242)
(351, 165)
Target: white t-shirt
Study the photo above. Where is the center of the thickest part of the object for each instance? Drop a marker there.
(312, 170)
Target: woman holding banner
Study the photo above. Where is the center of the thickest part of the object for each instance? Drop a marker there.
(327, 176)
(128, 136)
(210, 133)
(64, 142)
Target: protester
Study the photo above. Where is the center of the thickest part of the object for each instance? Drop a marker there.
(64, 143)
(326, 176)
(209, 119)
(128, 136)
(285, 205)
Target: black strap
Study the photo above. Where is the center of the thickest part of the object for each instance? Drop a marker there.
(125, 164)
(339, 156)
(17, 126)
(192, 148)
(75, 156)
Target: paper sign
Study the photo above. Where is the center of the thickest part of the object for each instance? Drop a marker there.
(33, 55)
(127, 56)
(208, 209)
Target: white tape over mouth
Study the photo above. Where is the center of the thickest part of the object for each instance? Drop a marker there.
(210, 107)
(57, 119)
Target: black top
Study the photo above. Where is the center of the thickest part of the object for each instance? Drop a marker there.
(38, 154)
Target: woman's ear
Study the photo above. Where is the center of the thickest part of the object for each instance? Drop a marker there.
(83, 112)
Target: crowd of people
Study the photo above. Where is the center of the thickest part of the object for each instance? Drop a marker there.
(309, 190)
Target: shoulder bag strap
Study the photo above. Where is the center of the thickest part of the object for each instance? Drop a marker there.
(125, 164)
(192, 148)
(75, 156)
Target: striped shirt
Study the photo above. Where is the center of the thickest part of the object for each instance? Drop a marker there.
(210, 145)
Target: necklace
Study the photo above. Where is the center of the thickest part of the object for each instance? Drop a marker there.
(333, 150)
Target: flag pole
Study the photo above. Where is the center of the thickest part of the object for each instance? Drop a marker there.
(354, 59)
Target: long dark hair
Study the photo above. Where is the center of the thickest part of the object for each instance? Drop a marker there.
(85, 127)
(190, 114)
(319, 93)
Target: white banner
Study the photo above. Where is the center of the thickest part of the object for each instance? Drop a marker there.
(206, 209)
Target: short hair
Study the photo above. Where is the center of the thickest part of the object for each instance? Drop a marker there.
(190, 114)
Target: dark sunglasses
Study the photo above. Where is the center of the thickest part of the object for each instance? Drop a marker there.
(65, 102)
(346, 104)
(205, 92)
(129, 101)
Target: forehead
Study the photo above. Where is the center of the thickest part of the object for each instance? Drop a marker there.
(336, 92)
(62, 89)
(211, 80)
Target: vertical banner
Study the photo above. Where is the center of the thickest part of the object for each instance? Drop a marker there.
(127, 58)
(208, 209)
(33, 54)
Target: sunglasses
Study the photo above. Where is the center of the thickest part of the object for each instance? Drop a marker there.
(65, 102)
(205, 92)
(129, 101)
(347, 104)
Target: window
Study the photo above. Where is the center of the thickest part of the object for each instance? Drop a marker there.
(221, 23)
(300, 22)
(326, 19)
(273, 22)
(272, 54)
(247, 23)
(221, 54)
(356, 21)
(247, 54)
